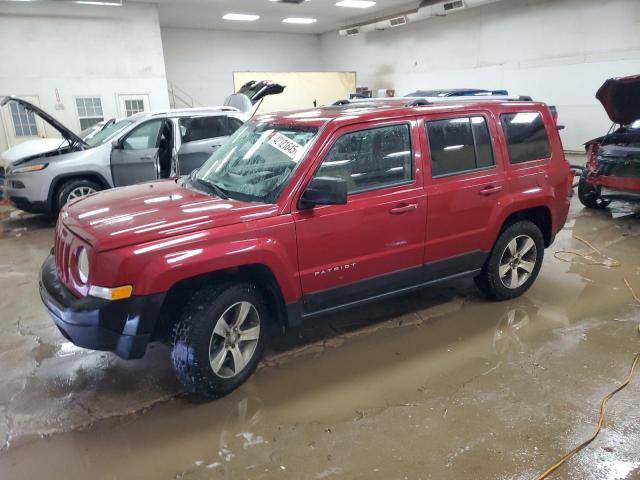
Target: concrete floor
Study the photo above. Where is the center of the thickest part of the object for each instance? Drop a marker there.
(436, 384)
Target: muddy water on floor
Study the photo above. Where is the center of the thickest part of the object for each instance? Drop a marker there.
(437, 384)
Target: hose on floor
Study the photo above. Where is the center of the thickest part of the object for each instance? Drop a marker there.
(603, 406)
(606, 262)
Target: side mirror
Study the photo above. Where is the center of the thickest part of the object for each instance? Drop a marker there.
(324, 191)
(115, 144)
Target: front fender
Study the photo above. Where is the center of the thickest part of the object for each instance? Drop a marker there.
(154, 267)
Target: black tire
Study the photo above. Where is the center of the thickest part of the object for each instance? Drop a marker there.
(193, 335)
(589, 195)
(70, 186)
(489, 280)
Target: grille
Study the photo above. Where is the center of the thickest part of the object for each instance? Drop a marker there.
(62, 252)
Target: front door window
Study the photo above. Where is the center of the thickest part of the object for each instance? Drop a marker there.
(144, 137)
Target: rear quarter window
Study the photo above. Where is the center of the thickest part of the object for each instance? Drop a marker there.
(526, 136)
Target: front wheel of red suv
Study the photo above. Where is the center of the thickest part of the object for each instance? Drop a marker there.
(219, 340)
(514, 262)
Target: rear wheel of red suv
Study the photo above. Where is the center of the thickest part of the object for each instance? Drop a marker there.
(219, 340)
(514, 262)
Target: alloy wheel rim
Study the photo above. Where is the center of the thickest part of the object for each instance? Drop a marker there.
(234, 339)
(517, 261)
(80, 192)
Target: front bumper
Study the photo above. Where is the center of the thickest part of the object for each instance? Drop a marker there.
(124, 327)
(25, 193)
(26, 205)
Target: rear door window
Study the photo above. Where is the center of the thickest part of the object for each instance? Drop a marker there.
(526, 136)
(234, 124)
(459, 145)
(203, 128)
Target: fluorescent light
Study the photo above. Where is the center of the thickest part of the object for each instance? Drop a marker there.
(355, 4)
(107, 3)
(299, 20)
(240, 17)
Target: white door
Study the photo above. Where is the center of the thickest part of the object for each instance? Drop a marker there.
(131, 104)
(20, 124)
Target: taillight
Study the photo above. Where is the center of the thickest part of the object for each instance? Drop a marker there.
(570, 178)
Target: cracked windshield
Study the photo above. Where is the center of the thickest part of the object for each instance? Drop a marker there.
(257, 161)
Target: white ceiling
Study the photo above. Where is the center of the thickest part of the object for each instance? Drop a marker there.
(208, 14)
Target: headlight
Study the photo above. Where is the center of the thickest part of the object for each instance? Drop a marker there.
(83, 265)
(30, 168)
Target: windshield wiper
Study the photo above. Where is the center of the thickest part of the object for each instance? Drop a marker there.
(219, 191)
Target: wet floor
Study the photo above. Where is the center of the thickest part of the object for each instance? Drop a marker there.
(436, 384)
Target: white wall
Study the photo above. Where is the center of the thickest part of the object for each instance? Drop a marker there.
(80, 50)
(201, 62)
(558, 51)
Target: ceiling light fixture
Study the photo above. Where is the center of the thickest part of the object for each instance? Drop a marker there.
(104, 3)
(355, 4)
(302, 21)
(240, 17)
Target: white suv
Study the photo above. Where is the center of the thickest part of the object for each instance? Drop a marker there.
(143, 147)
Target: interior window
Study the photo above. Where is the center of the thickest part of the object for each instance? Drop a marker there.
(371, 158)
(133, 106)
(144, 137)
(203, 128)
(89, 111)
(526, 136)
(459, 145)
(24, 121)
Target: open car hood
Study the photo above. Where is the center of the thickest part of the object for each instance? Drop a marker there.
(251, 93)
(67, 134)
(32, 148)
(256, 90)
(620, 98)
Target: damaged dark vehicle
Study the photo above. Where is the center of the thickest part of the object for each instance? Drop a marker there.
(612, 171)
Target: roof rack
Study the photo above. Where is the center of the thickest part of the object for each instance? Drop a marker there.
(423, 101)
(417, 102)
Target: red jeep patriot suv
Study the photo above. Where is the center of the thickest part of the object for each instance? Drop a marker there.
(305, 213)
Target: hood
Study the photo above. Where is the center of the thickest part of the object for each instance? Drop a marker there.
(151, 211)
(31, 148)
(620, 98)
(67, 134)
(256, 90)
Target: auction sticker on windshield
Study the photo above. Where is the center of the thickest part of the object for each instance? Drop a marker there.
(285, 145)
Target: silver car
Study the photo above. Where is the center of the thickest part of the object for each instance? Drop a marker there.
(143, 147)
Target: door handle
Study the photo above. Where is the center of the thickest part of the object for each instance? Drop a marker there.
(146, 157)
(490, 190)
(403, 208)
(216, 146)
